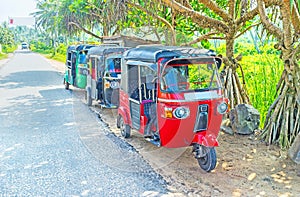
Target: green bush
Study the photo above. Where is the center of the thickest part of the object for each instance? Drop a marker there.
(61, 49)
(262, 73)
(9, 48)
(41, 47)
(3, 56)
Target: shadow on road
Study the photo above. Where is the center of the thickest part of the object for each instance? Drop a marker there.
(29, 79)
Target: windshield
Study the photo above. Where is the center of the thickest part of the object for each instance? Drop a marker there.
(113, 66)
(190, 77)
(82, 57)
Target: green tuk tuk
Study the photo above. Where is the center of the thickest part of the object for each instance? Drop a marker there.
(76, 66)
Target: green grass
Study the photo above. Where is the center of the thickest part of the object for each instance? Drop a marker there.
(3, 56)
(262, 73)
(59, 57)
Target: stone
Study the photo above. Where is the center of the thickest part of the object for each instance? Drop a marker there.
(227, 130)
(294, 151)
(244, 119)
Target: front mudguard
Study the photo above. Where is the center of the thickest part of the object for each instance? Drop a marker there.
(122, 112)
(205, 139)
(68, 78)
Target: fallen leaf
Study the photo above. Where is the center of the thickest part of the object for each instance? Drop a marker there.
(287, 182)
(236, 193)
(251, 176)
(288, 186)
(275, 176)
(272, 169)
(281, 173)
(262, 193)
(224, 165)
(249, 156)
(284, 166)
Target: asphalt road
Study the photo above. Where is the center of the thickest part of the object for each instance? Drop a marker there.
(51, 144)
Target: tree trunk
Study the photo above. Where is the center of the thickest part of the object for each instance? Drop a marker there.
(282, 123)
(234, 90)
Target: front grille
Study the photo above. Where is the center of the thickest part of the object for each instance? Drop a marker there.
(202, 118)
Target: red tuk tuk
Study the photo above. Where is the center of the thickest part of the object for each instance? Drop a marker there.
(173, 96)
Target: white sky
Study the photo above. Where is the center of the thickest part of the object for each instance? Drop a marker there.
(16, 8)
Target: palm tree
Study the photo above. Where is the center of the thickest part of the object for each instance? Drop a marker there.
(47, 18)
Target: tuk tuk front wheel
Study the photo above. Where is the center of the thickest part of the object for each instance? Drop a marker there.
(125, 128)
(208, 158)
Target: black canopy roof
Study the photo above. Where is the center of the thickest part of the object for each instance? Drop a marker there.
(149, 53)
(106, 49)
(153, 53)
(71, 48)
(84, 47)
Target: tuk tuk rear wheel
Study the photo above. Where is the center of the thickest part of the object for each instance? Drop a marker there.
(88, 97)
(209, 160)
(66, 84)
(125, 128)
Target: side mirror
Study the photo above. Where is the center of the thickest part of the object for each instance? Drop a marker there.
(218, 62)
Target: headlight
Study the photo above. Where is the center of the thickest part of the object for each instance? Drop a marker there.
(222, 108)
(181, 112)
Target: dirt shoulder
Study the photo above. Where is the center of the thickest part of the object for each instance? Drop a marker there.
(246, 166)
(59, 66)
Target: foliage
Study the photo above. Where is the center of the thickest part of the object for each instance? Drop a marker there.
(262, 72)
(58, 53)
(6, 36)
(3, 56)
(61, 49)
(9, 48)
(41, 47)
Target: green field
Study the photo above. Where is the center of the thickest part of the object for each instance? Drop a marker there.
(262, 73)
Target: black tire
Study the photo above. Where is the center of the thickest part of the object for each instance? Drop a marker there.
(67, 85)
(88, 97)
(125, 128)
(118, 121)
(209, 161)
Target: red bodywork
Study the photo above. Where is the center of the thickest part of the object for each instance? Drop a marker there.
(180, 132)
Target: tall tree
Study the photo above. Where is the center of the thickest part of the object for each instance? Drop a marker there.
(145, 18)
(47, 18)
(225, 20)
(6, 35)
(282, 123)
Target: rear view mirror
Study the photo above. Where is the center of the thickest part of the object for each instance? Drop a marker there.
(218, 62)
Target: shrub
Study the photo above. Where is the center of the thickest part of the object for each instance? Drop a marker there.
(262, 72)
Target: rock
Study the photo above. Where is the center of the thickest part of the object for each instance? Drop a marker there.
(294, 151)
(244, 119)
(227, 130)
